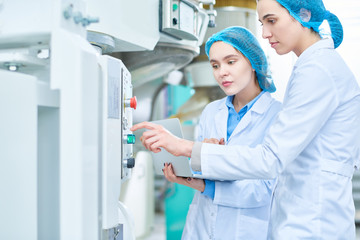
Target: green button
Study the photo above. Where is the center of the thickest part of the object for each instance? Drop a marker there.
(131, 139)
(175, 7)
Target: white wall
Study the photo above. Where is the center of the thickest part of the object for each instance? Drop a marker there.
(348, 11)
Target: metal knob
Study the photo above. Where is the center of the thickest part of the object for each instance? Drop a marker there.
(130, 162)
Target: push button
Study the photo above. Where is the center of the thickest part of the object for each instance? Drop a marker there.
(132, 102)
(129, 138)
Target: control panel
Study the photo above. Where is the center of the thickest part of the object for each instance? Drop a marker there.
(128, 104)
(118, 104)
(182, 19)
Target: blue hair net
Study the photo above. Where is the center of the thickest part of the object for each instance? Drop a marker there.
(318, 15)
(245, 42)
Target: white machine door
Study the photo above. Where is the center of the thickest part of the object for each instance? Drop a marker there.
(75, 72)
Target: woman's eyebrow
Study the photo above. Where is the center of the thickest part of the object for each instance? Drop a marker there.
(224, 58)
(230, 56)
(266, 16)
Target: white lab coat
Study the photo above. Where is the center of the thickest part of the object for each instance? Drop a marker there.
(314, 145)
(240, 209)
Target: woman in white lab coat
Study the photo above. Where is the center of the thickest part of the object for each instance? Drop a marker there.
(233, 209)
(314, 144)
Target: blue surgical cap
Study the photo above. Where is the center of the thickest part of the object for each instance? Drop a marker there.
(245, 42)
(318, 15)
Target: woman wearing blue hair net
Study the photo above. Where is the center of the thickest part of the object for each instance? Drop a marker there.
(314, 144)
(235, 209)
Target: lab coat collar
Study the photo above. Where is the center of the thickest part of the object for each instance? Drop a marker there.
(322, 44)
(259, 106)
(221, 117)
(262, 104)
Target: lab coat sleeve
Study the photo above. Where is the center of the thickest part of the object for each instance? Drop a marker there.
(310, 99)
(244, 193)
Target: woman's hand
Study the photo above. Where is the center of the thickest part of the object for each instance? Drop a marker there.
(195, 183)
(158, 137)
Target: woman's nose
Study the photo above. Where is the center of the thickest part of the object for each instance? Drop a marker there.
(223, 71)
(265, 32)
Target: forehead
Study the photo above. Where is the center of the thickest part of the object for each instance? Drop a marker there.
(220, 47)
(266, 7)
(222, 51)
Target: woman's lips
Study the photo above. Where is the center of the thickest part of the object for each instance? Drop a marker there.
(226, 83)
(274, 44)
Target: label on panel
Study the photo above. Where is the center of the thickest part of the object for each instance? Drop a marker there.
(113, 93)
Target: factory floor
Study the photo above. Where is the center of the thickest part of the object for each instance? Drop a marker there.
(159, 231)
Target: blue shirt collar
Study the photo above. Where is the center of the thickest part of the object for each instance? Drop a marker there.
(247, 107)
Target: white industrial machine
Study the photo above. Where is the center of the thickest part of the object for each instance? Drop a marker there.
(66, 109)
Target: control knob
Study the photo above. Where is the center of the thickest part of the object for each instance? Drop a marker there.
(130, 162)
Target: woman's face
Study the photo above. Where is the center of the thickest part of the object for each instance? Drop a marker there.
(232, 71)
(283, 32)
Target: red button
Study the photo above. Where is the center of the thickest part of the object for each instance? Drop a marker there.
(133, 102)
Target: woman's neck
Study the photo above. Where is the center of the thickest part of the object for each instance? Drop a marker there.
(309, 38)
(243, 98)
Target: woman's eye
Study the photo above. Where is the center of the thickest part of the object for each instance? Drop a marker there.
(271, 20)
(231, 62)
(215, 66)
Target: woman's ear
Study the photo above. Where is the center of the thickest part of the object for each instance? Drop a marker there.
(305, 15)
